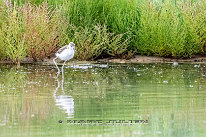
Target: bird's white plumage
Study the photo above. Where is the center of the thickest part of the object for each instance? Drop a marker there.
(65, 53)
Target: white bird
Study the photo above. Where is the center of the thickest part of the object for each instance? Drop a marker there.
(65, 53)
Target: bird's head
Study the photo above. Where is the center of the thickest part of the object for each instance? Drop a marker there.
(72, 45)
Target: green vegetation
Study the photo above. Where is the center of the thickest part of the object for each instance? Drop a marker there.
(176, 30)
(120, 28)
(12, 36)
(41, 30)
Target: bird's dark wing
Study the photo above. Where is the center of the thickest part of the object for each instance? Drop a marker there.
(61, 49)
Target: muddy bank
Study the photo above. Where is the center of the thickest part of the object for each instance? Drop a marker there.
(136, 59)
(153, 59)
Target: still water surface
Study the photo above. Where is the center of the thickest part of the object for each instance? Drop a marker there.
(167, 100)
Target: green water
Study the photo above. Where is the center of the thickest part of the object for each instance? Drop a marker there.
(170, 100)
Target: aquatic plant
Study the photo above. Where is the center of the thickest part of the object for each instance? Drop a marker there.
(169, 30)
(91, 43)
(13, 35)
(120, 17)
(119, 28)
(3, 17)
(41, 30)
(29, 30)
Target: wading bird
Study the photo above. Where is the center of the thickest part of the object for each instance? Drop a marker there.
(65, 53)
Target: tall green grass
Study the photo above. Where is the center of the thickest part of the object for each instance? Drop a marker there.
(119, 16)
(2, 20)
(29, 30)
(13, 36)
(170, 28)
(41, 30)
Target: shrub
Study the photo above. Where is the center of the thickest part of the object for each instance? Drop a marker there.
(91, 43)
(116, 45)
(13, 35)
(171, 30)
(3, 18)
(195, 20)
(118, 16)
(29, 30)
(41, 29)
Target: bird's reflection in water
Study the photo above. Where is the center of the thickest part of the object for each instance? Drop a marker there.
(63, 101)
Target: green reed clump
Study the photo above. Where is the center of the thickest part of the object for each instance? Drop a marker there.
(29, 30)
(170, 30)
(13, 35)
(120, 28)
(116, 45)
(119, 16)
(91, 43)
(195, 19)
(3, 15)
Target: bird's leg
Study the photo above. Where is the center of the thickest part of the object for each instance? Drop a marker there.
(56, 65)
(55, 91)
(63, 76)
(62, 82)
(63, 67)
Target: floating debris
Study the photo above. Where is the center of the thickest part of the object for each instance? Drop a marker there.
(165, 81)
(175, 64)
(197, 66)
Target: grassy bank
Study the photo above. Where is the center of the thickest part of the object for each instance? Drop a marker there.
(120, 28)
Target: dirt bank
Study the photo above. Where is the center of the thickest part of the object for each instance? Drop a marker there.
(152, 59)
(136, 59)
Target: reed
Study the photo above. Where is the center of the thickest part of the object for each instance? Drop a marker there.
(13, 35)
(41, 30)
(170, 28)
